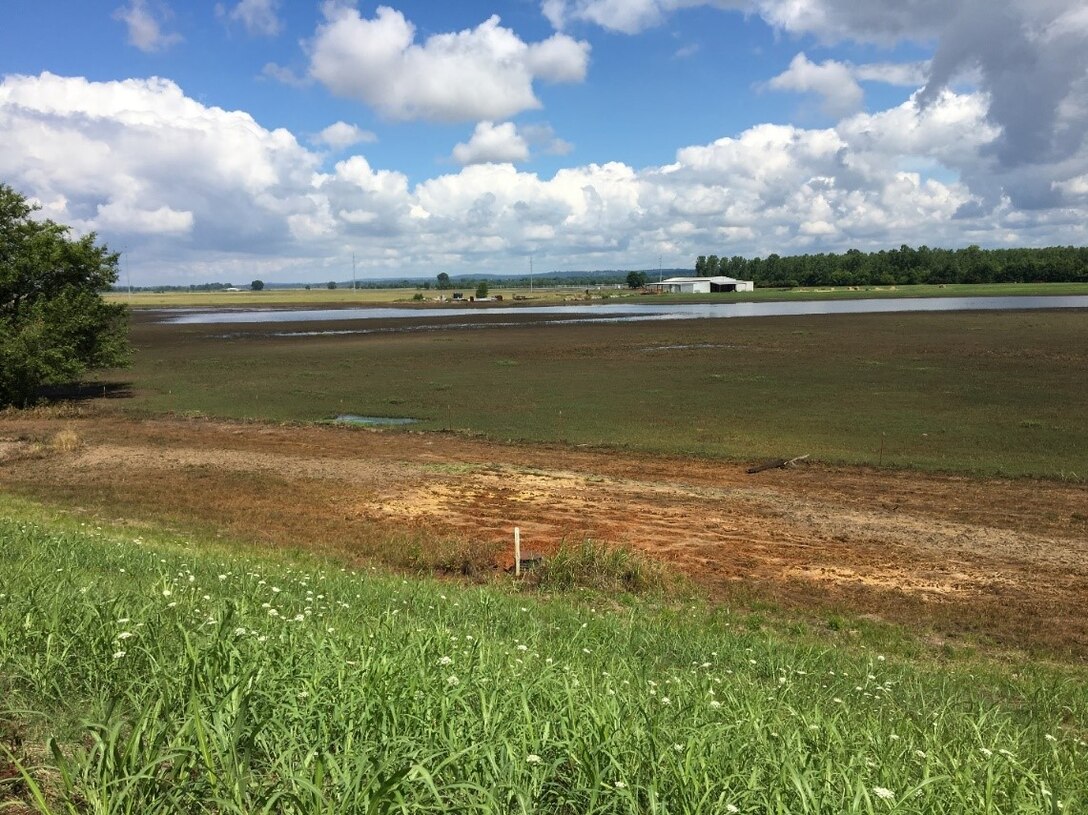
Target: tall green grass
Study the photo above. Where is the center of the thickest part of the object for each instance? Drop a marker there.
(148, 676)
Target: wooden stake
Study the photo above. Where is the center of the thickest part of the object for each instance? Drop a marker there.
(517, 551)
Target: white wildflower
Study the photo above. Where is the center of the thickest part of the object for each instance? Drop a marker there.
(118, 654)
(883, 793)
(533, 758)
(452, 681)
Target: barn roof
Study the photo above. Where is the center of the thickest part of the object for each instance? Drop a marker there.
(717, 281)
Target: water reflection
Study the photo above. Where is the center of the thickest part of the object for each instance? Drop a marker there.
(625, 312)
(374, 421)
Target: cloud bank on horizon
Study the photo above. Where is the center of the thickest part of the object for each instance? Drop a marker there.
(424, 147)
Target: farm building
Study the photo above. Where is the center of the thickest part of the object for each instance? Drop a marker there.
(702, 285)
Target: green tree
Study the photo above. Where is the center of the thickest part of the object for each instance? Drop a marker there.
(636, 280)
(257, 285)
(54, 324)
(331, 284)
(444, 281)
(481, 290)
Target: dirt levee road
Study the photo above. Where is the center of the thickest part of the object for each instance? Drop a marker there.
(1006, 559)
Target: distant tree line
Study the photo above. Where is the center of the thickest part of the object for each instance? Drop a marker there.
(905, 266)
(163, 289)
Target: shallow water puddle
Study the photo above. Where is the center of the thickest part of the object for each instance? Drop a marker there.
(373, 421)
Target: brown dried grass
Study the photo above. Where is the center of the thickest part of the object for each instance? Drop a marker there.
(65, 441)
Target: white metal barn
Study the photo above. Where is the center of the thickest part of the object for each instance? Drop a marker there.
(703, 285)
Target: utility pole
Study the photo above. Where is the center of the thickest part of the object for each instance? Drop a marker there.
(660, 276)
(128, 271)
(353, 271)
(530, 274)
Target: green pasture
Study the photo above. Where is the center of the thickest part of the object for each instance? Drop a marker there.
(987, 392)
(150, 672)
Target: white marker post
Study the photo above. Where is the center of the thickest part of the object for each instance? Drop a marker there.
(517, 551)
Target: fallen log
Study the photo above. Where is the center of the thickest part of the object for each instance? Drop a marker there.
(776, 464)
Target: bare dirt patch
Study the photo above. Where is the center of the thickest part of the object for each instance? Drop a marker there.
(1006, 559)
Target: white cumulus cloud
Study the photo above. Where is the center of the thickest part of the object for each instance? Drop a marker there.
(200, 193)
(341, 134)
(832, 80)
(483, 73)
(139, 156)
(837, 82)
(492, 143)
(1029, 58)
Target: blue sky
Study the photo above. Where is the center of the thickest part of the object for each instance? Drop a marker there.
(272, 139)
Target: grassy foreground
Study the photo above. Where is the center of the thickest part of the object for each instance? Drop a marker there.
(170, 677)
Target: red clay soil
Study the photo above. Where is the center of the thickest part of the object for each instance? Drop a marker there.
(1005, 559)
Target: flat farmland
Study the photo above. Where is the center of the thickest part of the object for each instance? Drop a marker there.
(944, 490)
(988, 393)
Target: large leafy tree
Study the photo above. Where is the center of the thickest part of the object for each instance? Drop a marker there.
(54, 324)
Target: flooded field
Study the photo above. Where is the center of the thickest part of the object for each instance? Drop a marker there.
(626, 312)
